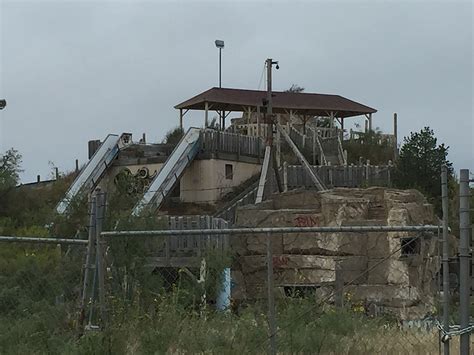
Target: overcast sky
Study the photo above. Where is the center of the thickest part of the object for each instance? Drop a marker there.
(73, 71)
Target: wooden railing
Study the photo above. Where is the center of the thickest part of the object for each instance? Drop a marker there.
(294, 176)
(383, 137)
(224, 142)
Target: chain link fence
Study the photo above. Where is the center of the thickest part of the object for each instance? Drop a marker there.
(195, 284)
(39, 290)
(266, 301)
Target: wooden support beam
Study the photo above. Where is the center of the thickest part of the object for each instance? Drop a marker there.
(258, 122)
(181, 118)
(263, 174)
(278, 150)
(342, 129)
(206, 114)
(395, 135)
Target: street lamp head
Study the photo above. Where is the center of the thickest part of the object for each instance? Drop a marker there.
(3, 103)
(219, 43)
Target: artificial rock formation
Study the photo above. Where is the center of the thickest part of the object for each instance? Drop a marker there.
(384, 272)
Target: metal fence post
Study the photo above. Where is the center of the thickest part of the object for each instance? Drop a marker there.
(87, 266)
(445, 258)
(464, 258)
(339, 285)
(272, 349)
(100, 213)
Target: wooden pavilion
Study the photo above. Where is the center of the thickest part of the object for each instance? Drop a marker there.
(302, 105)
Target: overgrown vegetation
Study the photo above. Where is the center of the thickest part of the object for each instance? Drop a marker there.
(162, 311)
(173, 136)
(372, 146)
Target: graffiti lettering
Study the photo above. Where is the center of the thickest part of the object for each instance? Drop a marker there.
(280, 260)
(306, 221)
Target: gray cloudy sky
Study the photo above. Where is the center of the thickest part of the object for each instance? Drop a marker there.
(72, 71)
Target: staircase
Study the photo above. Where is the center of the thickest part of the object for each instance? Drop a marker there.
(311, 172)
(246, 197)
(328, 150)
(377, 211)
(331, 150)
(171, 172)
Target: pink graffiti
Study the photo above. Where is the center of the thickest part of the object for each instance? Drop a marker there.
(280, 260)
(306, 221)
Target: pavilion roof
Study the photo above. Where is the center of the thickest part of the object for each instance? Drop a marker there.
(225, 99)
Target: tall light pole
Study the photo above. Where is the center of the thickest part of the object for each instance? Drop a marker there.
(220, 44)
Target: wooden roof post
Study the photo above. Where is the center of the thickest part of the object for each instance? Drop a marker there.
(206, 114)
(181, 118)
(249, 112)
(258, 121)
(370, 122)
(342, 129)
(395, 135)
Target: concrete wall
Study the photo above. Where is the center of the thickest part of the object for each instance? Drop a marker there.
(205, 181)
(381, 273)
(153, 168)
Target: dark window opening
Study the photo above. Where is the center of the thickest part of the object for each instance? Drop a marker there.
(410, 246)
(298, 291)
(229, 173)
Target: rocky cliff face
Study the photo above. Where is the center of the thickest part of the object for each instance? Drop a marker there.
(386, 272)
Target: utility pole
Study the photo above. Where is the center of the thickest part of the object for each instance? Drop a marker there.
(270, 289)
(269, 136)
(269, 63)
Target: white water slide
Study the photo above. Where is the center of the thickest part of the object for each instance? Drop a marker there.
(171, 172)
(88, 178)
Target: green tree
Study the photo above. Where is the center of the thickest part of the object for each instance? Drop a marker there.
(173, 136)
(295, 88)
(9, 169)
(419, 164)
(371, 146)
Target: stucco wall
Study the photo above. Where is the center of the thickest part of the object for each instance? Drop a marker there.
(205, 180)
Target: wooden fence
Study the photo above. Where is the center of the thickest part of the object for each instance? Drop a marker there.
(294, 176)
(186, 250)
